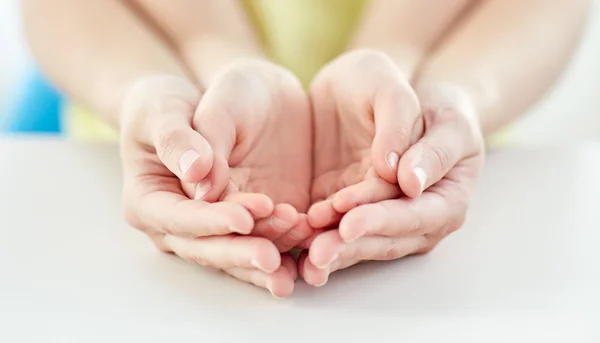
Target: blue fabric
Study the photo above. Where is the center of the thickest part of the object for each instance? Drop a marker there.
(35, 108)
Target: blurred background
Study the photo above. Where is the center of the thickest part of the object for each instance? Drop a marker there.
(570, 113)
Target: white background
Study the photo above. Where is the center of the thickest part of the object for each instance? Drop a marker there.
(571, 113)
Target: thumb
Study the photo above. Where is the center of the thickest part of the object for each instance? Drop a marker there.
(219, 130)
(182, 150)
(398, 124)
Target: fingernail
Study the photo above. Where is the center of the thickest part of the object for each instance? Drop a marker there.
(330, 262)
(325, 281)
(202, 188)
(186, 160)
(422, 176)
(255, 264)
(392, 159)
(269, 286)
(241, 232)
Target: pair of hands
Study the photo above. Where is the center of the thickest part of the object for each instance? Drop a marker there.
(362, 168)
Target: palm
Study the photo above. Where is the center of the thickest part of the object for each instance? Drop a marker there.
(275, 157)
(257, 118)
(343, 139)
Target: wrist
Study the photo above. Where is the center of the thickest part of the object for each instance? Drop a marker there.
(208, 57)
(154, 96)
(405, 57)
(440, 96)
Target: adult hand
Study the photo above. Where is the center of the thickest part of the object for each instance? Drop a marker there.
(168, 155)
(366, 116)
(436, 175)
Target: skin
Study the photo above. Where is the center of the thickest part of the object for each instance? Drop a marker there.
(399, 122)
(214, 178)
(466, 86)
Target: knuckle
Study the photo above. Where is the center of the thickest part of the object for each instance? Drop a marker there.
(167, 142)
(440, 155)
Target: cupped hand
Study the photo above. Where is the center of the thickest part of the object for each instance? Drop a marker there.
(439, 172)
(164, 155)
(366, 115)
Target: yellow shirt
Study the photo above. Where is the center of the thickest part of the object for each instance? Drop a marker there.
(302, 35)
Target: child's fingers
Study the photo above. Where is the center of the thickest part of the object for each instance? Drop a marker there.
(225, 252)
(322, 214)
(366, 192)
(259, 205)
(288, 262)
(294, 236)
(282, 219)
(398, 124)
(280, 283)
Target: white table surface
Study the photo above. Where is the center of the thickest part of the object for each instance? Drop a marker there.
(524, 268)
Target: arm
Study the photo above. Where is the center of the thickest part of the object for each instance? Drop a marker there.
(507, 54)
(95, 50)
(406, 30)
(208, 35)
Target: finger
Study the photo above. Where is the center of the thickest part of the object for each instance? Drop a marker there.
(328, 251)
(294, 236)
(182, 150)
(259, 205)
(365, 192)
(311, 274)
(171, 213)
(323, 214)
(216, 183)
(282, 219)
(398, 124)
(224, 252)
(449, 139)
(288, 262)
(307, 242)
(431, 212)
(280, 283)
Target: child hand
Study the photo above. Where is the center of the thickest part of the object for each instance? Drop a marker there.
(380, 225)
(157, 133)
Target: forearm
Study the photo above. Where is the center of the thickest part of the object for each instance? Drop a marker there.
(507, 54)
(208, 35)
(95, 50)
(407, 30)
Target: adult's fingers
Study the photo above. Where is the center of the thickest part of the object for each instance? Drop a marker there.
(163, 211)
(365, 192)
(398, 124)
(182, 150)
(452, 134)
(432, 212)
(329, 253)
(226, 252)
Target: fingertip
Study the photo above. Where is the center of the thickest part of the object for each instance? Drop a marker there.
(239, 219)
(287, 261)
(325, 249)
(313, 275)
(267, 257)
(280, 283)
(411, 180)
(351, 226)
(195, 165)
(322, 214)
(286, 213)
